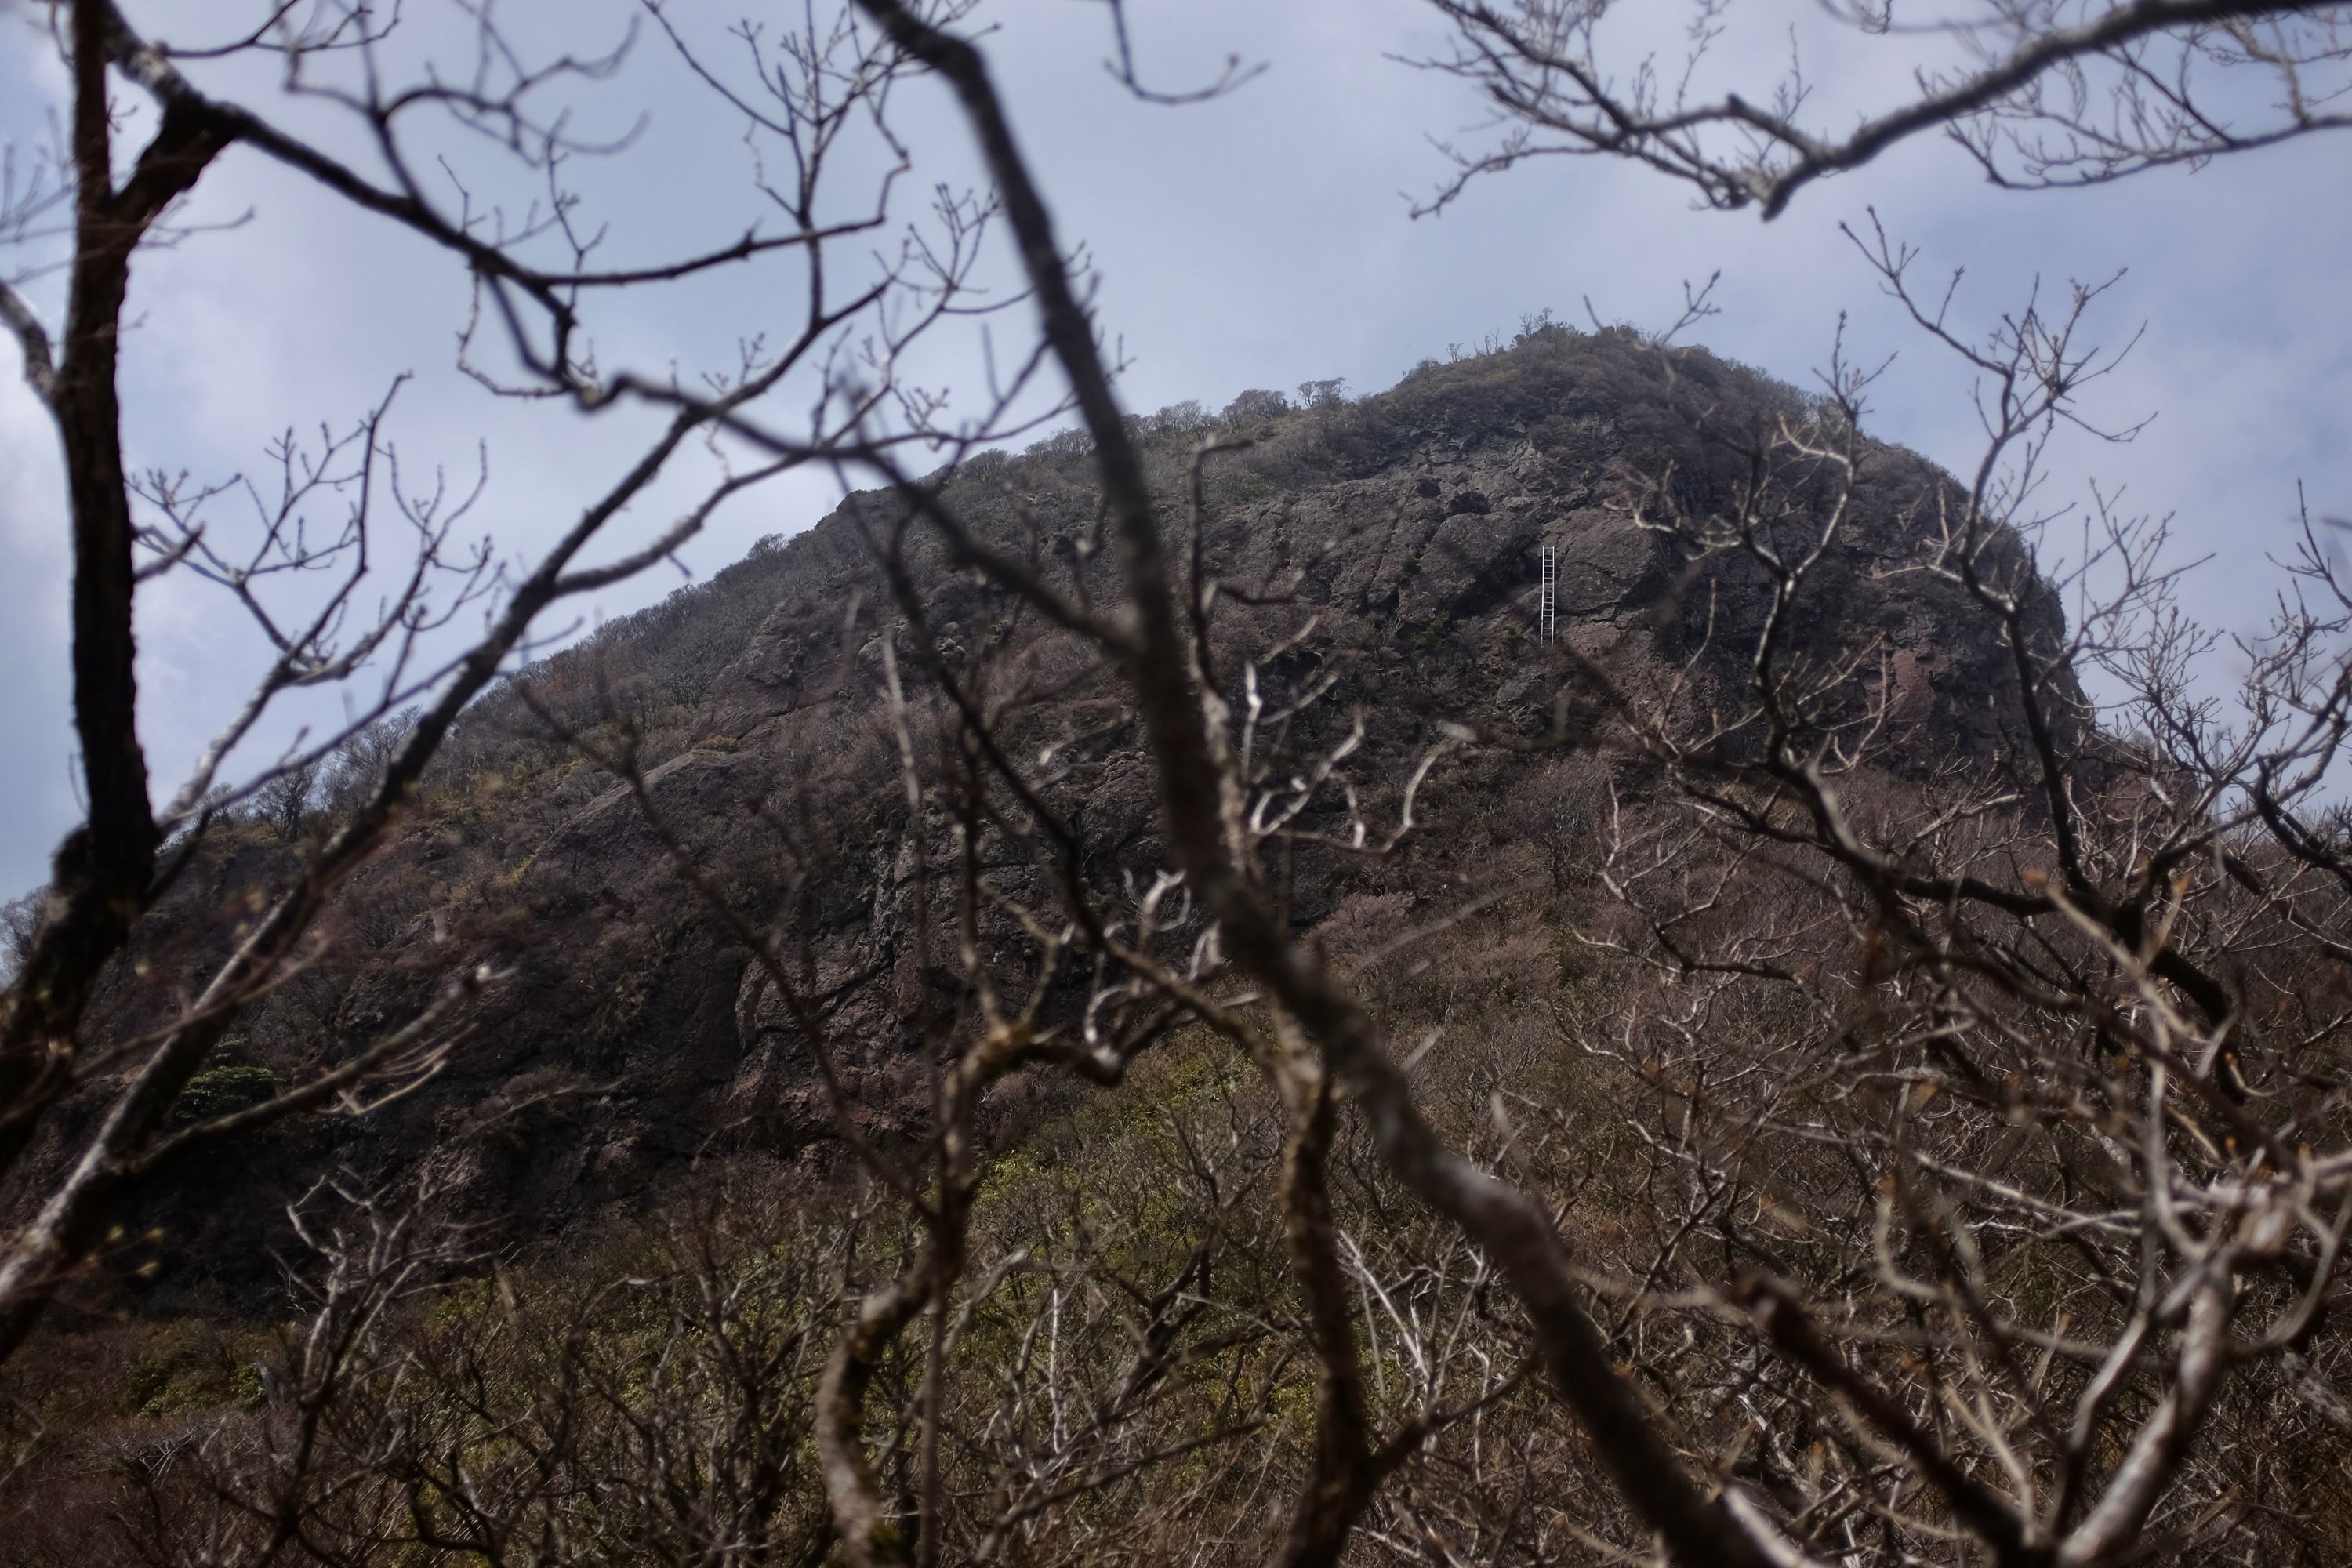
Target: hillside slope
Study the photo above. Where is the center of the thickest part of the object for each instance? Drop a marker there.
(632, 1035)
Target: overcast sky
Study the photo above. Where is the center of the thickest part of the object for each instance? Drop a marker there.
(1260, 240)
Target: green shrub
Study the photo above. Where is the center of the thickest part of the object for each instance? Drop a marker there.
(193, 1365)
(218, 1091)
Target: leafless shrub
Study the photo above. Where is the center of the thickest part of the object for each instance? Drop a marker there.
(509, 216)
(1928, 1157)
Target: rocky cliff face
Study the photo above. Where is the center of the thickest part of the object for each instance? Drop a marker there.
(632, 1035)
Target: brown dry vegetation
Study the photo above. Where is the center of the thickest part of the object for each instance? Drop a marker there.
(1113, 1004)
(1717, 1061)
